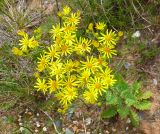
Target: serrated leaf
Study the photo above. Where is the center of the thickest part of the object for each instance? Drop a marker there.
(143, 105)
(111, 98)
(123, 112)
(134, 118)
(110, 112)
(145, 95)
(130, 102)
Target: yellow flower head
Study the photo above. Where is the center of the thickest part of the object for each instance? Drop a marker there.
(17, 51)
(100, 26)
(66, 96)
(109, 38)
(41, 85)
(66, 10)
(90, 96)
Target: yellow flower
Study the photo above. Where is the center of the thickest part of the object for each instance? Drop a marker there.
(90, 96)
(105, 72)
(66, 96)
(41, 85)
(84, 77)
(109, 38)
(52, 53)
(74, 19)
(69, 28)
(66, 10)
(54, 85)
(108, 51)
(56, 31)
(17, 51)
(96, 84)
(101, 61)
(56, 69)
(95, 43)
(90, 26)
(36, 74)
(21, 33)
(69, 66)
(100, 26)
(91, 64)
(69, 38)
(82, 45)
(120, 33)
(24, 42)
(70, 82)
(42, 63)
(64, 49)
(32, 43)
(109, 80)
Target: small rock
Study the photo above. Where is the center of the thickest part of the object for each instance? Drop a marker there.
(127, 65)
(45, 129)
(36, 130)
(107, 132)
(88, 121)
(37, 114)
(155, 82)
(127, 128)
(20, 124)
(68, 131)
(21, 129)
(137, 34)
(128, 121)
(113, 129)
(38, 124)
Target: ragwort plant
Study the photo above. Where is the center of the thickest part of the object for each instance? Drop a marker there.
(73, 66)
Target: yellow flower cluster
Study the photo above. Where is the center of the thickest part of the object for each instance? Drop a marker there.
(74, 66)
(25, 44)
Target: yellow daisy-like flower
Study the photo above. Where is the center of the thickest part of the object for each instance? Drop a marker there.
(54, 85)
(100, 26)
(90, 26)
(56, 69)
(74, 19)
(108, 51)
(69, 38)
(22, 33)
(109, 80)
(69, 66)
(41, 85)
(32, 43)
(84, 77)
(66, 96)
(91, 64)
(97, 84)
(82, 45)
(24, 42)
(95, 43)
(17, 51)
(52, 53)
(70, 82)
(56, 31)
(66, 10)
(69, 28)
(90, 96)
(42, 63)
(109, 38)
(64, 49)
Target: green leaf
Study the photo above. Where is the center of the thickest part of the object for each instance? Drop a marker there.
(130, 101)
(134, 118)
(111, 98)
(110, 112)
(143, 105)
(145, 95)
(123, 112)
